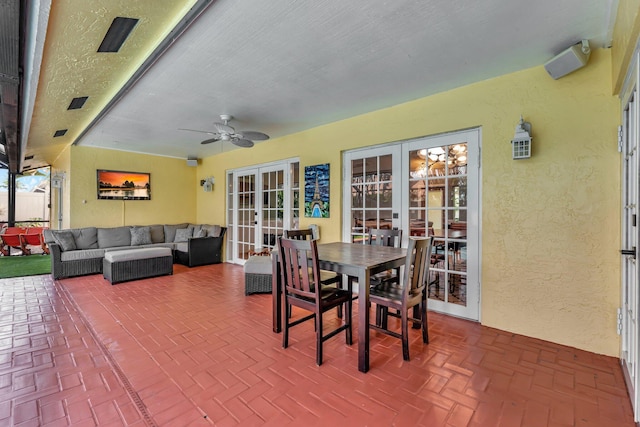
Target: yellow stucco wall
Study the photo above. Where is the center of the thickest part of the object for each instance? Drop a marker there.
(550, 224)
(173, 192)
(625, 36)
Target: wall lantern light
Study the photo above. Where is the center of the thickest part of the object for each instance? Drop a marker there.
(521, 142)
(207, 184)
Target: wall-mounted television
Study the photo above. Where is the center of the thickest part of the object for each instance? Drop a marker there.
(121, 185)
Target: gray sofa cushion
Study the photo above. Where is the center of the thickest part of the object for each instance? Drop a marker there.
(212, 230)
(199, 233)
(157, 233)
(65, 239)
(81, 254)
(170, 231)
(86, 238)
(183, 234)
(182, 246)
(140, 236)
(111, 237)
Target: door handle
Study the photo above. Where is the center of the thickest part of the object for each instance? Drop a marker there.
(631, 252)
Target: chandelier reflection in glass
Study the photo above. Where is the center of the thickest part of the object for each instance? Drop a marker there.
(435, 159)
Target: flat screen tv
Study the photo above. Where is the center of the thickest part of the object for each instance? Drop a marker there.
(121, 185)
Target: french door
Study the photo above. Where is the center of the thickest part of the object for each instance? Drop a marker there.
(628, 315)
(426, 187)
(262, 202)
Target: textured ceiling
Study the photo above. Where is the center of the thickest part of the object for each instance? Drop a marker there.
(280, 66)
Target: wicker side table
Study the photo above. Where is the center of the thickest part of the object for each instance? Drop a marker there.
(257, 275)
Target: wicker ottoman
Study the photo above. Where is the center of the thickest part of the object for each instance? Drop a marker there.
(132, 264)
(257, 275)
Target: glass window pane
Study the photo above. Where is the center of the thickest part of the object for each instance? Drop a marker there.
(357, 199)
(385, 195)
(357, 170)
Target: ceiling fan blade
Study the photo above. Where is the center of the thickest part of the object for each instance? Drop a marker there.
(209, 141)
(254, 136)
(245, 143)
(199, 131)
(222, 128)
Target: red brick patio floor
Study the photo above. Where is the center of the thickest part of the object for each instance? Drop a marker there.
(191, 349)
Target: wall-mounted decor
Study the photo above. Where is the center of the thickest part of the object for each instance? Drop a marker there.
(316, 191)
(120, 185)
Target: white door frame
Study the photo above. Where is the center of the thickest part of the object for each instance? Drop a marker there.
(257, 171)
(400, 150)
(629, 145)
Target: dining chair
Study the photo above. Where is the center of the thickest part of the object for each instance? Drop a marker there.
(302, 288)
(327, 277)
(408, 293)
(385, 237)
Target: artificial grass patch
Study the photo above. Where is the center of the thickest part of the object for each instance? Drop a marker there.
(30, 265)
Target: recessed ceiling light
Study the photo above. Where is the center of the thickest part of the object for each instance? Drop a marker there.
(117, 34)
(77, 103)
(60, 132)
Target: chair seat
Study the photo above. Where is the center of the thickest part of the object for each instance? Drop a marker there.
(330, 296)
(389, 293)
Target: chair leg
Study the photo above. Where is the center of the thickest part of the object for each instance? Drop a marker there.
(405, 335)
(285, 318)
(318, 337)
(349, 320)
(425, 325)
(384, 317)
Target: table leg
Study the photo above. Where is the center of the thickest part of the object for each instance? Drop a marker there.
(276, 295)
(363, 320)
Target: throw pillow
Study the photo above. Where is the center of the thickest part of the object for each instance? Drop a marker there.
(65, 240)
(200, 233)
(140, 236)
(183, 234)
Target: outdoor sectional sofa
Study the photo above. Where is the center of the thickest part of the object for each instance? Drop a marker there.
(80, 251)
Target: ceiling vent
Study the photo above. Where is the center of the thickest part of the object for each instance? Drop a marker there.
(60, 132)
(77, 103)
(117, 34)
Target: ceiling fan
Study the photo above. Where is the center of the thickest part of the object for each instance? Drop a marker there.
(224, 132)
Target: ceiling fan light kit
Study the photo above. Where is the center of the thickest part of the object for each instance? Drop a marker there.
(224, 132)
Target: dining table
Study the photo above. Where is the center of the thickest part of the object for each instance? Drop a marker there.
(354, 260)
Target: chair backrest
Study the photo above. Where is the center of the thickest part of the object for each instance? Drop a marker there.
(34, 230)
(385, 237)
(15, 230)
(305, 234)
(416, 268)
(300, 268)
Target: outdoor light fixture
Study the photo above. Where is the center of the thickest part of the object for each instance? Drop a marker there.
(207, 184)
(521, 142)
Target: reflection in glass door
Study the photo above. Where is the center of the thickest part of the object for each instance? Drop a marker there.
(246, 213)
(372, 196)
(262, 202)
(426, 187)
(438, 207)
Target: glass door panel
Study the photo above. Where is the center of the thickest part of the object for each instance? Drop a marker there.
(630, 300)
(371, 202)
(246, 213)
(262, 202)
(441, 212)
(272, 207)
